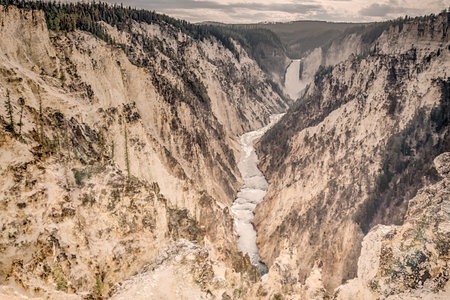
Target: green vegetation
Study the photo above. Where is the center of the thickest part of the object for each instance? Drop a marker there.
(112, 150)
(260, 43)
(155, 187)
(277, 296)
(256, 41)
(127, 158)
(60, 280)
(408, 160)
(443, 245)
(102, 145)
(62, 77)
(87, 199)
(10, 125)
(115, 198)
(440, 116)
(374, 285)
(371, 33)
(9, 110)
(20, 124)
(276, 88)
(80, 176)
(47, 146)
(300, 37)
(40, 122)
(182, 225)
(86, 17)
(237, 293)
(99, 286)
(321, 73)
(196, 86)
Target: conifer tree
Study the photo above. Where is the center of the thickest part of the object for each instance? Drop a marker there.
(9, 111)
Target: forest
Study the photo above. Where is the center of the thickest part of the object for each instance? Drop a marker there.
(87, 15)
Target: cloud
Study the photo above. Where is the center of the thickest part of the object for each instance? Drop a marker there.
(292, 7)
(231, 11)
(377, 10)
(395, 8)
(251, 11)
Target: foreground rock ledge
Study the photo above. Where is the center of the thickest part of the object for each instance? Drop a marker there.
(409, 261)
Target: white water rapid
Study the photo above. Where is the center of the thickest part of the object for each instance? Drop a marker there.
(250, 195)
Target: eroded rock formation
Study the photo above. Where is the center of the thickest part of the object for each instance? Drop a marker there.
(353, 150)
(110, 152)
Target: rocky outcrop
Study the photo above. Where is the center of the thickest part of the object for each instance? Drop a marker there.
(410, 261)
(185, 271)
(110, 152)
(353, 150)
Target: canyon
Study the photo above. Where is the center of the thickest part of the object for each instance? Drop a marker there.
(119, 154)
(136, 151)
(353, 150)
(250, 195)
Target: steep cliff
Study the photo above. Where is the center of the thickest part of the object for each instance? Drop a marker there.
(302, 71)
(410, 261)
(300, 37)
(263, 45)
(353, 150)
(355, 40)
(113, 150)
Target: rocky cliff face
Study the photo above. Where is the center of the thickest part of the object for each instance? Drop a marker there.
(353, 150)
(183, 271)
(110, 152)
(335, 52)
(118, 165)
(410, 261)
(356, 40)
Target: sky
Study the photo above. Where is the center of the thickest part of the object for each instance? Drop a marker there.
(253, 11)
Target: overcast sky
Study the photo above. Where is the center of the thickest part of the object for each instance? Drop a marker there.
(251, 11)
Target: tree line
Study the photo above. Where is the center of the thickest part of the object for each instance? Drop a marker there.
(86, 16)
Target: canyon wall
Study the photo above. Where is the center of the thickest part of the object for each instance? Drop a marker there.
(333, 53)
(410, 261)
(111, 152)
(352, 151)
(118, 163)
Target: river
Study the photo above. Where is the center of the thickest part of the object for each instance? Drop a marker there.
(250, 195)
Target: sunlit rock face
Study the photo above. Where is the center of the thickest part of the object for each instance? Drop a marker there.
(353, 150)
(121, 151)
(121, 170)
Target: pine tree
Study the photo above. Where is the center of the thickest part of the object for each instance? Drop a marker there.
(20, 124)
(127, 159)
(9, 111)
